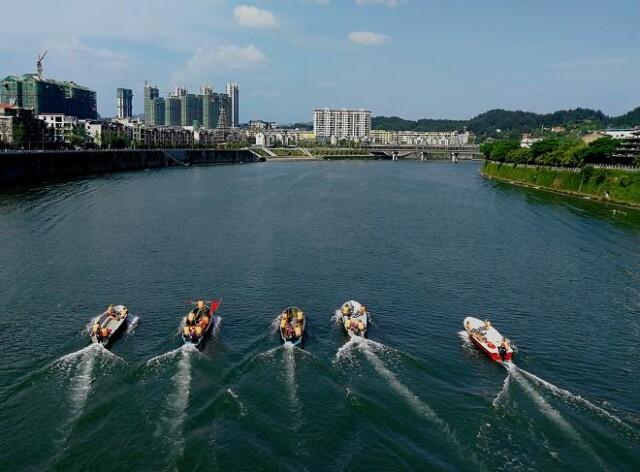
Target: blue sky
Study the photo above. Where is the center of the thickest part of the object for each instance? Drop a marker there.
(410, 58)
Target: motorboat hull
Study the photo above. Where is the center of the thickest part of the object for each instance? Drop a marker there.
(488, 341)
(214, 322)
(114, 325)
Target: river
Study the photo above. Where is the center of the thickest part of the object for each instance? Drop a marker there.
(421, 244)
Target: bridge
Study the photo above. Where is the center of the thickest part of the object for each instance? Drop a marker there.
(424, 152)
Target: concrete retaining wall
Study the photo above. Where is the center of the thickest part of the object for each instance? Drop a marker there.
(31, 167)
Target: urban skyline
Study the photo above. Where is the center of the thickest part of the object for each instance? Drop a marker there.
(441, 60)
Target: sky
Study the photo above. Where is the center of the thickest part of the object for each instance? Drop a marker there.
(409, 58)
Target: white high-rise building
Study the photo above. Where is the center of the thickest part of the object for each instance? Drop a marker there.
(342, 123)
(232, 91)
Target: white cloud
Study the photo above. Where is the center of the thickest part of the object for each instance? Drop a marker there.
(77, 54)
(252, 17)
(209, 61)
(367, 38)
(389, 3)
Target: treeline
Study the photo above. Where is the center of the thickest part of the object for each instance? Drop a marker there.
(513, 123)
(567, 151)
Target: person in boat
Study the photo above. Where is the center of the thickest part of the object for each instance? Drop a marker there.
(110, 312)
(487, 325)
(96, 329)
(503, 349)
(289, 332)
(362, 310)
(200, 310)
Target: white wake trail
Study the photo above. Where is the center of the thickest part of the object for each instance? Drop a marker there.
(571, 398)
(234, 395)
(178, 399)
(412, 399)
(290, 375)
(546, 409)
(81, 383)
(503, 392)
(131, 329)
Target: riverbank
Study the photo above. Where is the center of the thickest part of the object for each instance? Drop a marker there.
(18, 168)
(606, 185)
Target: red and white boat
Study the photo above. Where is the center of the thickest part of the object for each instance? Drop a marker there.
(488, 339)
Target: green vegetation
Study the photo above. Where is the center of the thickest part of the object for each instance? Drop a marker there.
(288, 152)
(513, 123)
(562, 151)
(78, 136)
(608, 184)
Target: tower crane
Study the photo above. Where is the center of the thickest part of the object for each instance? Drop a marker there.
(39, 63)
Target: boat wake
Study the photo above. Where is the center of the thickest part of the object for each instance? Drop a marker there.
(569, 397)
(79, 369)
(131, 329)
(171, 424)
(337, 317)
(234, 395)
(411, 398)
(503, 392)
(547, 410)
(370, 349)
(290, 378)
(162, 359)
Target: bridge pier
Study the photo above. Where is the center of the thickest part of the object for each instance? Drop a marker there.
(422, 155)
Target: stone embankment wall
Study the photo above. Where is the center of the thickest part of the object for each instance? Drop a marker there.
(18, 168)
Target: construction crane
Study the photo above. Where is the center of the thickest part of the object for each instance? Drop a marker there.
(39, 64)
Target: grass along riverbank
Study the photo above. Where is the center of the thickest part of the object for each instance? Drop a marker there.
(612, 185)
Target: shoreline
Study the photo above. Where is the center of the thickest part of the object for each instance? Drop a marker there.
(566, 193)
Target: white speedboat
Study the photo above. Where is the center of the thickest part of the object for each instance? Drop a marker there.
(488, 339)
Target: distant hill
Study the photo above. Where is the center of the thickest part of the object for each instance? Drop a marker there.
(512, 123)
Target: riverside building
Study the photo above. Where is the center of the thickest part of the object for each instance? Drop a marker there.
(48, 96)
(354, 125)
(207, 109)
(234, 96)
(124, 103)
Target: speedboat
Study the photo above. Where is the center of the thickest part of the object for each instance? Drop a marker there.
(488, 339)
(199, 323)
(355, 318)
(109, 324)
(292, 325)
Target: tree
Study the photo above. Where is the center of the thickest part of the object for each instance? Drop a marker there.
(520, 156)
(600, 151)
(78, 136)
(546, 146)
(19, 133)
(498, 150)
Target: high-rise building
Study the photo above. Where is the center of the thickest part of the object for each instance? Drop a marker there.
(124, 103)
(172, 111)
(154, 106)
(49, 96)
(210, 108)
(342, 123)
(234, 95)
(191, 110)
